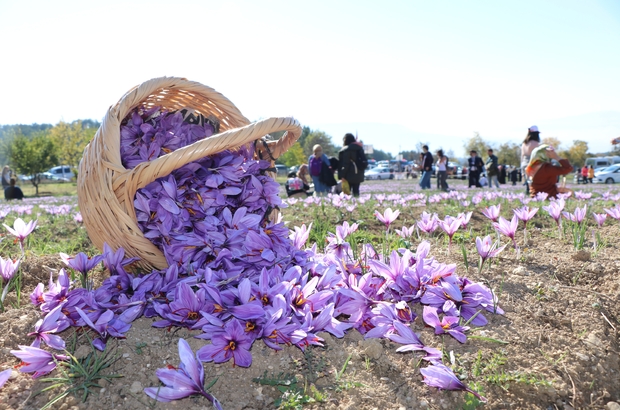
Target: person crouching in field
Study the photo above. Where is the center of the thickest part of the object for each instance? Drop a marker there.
(543, 174)
(13, 192)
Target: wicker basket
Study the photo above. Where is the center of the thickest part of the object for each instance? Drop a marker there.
(106, 189)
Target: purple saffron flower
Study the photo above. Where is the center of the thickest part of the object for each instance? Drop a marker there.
(614, 212)
(37, 360)
(8, 268)
(508, 228)
(185, 381)
(300, 236)
(54, 322)
(427, 223)
(387, 217)
(4, 376)
(406, 233)
(464, 217)
(600, 219)
(487, 249)
(492, 212)
(81, 262)
(578, 216)
(21, 230)
(450, 225)
(555, 210)
(525, 214)
(442, 377)
(449, 324)
(404, 335)
(231, 343)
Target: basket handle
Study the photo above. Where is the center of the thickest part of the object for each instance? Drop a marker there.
(147, 172)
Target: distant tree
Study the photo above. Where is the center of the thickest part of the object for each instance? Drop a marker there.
(508, 153)
(305, 131)
(380, 155)
(578, 152)
(478, 144)
(33, 156)
(71, 139)
(553, 141)
(294, 156)
(321, 138)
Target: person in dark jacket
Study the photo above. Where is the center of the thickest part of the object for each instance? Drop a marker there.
(474, 170)
(13, 192)
(349, 157)
(426, 168)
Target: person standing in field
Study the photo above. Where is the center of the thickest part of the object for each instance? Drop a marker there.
(426, 168)
(475, 165)
(531, 141)
(442, 171)
(315, 163)
(584, 174)
(492, 169)
(352, 162)
(6, 177)
(590, 174)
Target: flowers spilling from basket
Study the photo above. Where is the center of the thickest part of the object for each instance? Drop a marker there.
(239, 278)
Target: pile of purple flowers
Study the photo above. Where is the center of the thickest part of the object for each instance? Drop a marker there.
(239, 278)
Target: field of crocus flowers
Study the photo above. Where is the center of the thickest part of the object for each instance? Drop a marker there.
(398, 299)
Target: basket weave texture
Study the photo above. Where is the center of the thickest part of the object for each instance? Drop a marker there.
(106, 189)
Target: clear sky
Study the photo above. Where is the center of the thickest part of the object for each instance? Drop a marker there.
(397, 72)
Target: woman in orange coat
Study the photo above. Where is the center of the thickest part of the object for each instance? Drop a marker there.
(590, 173)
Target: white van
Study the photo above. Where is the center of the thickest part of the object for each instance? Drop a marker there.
(598, 162)
(61, 173)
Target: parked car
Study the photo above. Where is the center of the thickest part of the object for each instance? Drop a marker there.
(379, 173)
(281, 170)
(608, 175)
(60, 173)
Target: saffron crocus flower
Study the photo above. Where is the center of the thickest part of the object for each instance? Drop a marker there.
(449, 324)
(21, 230)
(600, 219)
(8, 268)
(492, 212)
(185, 381)
(578, 216)
(442, 377)
(525, 214)
(4, 376)
(81, 262)
(428, 223)
(555, 210)
(405, 232)
(507, 228)
(53, 322)
(231, 343)
(7, 271)
(388, 216)
(404, 335)
(37, 360)
(450, 225)
(614, 212)
(464, 217)
(487, 249)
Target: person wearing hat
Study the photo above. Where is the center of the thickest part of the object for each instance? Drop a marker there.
(531, 141)
(543, 175)
(474, 168)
